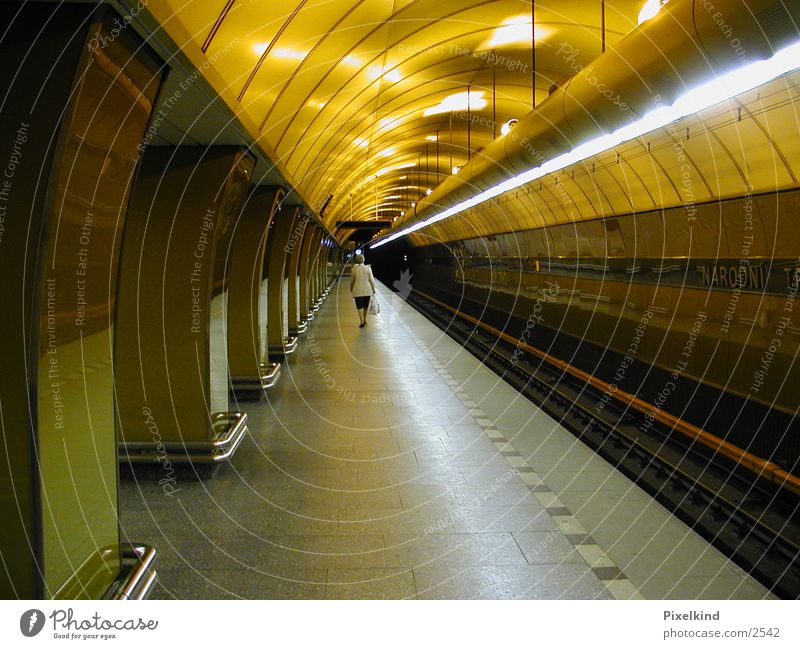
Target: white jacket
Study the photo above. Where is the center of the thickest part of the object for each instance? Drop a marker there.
(361, 281)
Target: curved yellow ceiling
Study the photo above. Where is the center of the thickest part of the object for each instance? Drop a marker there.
(375, 101)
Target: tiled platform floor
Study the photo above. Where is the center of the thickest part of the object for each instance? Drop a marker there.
(389, 463)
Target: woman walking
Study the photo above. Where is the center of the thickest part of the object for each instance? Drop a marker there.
(362, 286)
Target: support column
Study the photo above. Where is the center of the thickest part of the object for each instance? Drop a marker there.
(304, 299)
(251, 371)
(294, 251)
(316, 279)
(307, 274)
(281, 232)
(172, 377)
(75, 109)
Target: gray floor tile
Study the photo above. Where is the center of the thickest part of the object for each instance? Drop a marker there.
(370, 583)
(566, 581)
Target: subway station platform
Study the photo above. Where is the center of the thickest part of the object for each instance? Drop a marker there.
(390, 463)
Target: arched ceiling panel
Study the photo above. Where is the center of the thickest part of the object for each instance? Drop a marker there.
(319, 77)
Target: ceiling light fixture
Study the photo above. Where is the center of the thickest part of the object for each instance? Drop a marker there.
(393, 75)
(650, 9)
(704, 96)
(388, 121)
(456, 169)
(376, 72)
(289, 53)
(505, 128)
(472, 100)
(515, 30)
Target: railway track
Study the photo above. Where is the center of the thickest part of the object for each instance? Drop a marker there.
(748, 517)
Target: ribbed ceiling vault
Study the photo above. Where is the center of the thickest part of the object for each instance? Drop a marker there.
(340, 88)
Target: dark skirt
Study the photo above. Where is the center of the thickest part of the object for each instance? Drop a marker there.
(362, 302)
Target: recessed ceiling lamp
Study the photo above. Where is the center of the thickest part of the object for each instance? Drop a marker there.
(515, 30)
(505, 128)
(428, 191)
(456, 169)
(459, 101)
(650, 9)
(704, 96)
(386, 170)
(376, 72)
(386, 122)
(393, 75)
(288, 53)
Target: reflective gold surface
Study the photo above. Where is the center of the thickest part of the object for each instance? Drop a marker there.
(611, 273)
(76, 173)
(77, 444)
(172, 292)
(343, 92)
(284, 235)
(247, 303)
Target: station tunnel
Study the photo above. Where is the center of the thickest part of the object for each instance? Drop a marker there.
(581, 381)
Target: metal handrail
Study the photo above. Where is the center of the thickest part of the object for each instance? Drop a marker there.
(290, 345)
(217, 449)
(141, 578)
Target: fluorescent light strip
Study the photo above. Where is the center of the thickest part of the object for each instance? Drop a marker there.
(709, 94)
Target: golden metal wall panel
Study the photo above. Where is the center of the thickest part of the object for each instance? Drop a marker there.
(705, 312)
(780, 120)
(717, 170)
(197, 17)
(739, 132)
(774, 372)
(748, 332)
(778, 215)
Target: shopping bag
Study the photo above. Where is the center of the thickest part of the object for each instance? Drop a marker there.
(374, 307)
